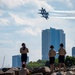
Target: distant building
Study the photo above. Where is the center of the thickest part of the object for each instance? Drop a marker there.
(53, 37)
(16, 61)
(73, 51)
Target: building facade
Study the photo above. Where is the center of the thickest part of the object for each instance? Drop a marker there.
(73, 51)
(16, 60)
(53, 37)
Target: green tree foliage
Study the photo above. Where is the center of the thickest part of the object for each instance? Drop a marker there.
(56, 62)
(69, 61)
(39, 63)
(47, 63)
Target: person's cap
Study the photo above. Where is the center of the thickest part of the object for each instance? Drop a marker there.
(51, 46)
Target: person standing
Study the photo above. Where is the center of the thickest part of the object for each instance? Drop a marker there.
(62, 53)
(52, 54)
(24, 50)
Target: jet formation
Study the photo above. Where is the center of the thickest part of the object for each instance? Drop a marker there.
(44, 13)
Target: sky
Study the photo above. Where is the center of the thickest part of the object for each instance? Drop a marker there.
(20, 22)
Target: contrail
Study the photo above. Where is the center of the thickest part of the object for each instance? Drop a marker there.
(57, 11)
(73, 18)
(62, 14)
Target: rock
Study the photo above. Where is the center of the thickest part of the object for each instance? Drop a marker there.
(47, 69)
(73, 66)
(1, 72)
(37, 74)
(16, 70)
(70, 73)
(42, 69)
(50, 73)
(53, 74)
(5, 69)
(10, 72)
(59, 73)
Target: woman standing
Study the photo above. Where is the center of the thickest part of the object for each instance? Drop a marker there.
(24, 51)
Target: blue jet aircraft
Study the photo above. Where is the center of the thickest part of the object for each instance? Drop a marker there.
(44, 13)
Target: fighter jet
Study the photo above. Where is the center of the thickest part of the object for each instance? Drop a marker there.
(44, 13)
(45, 16)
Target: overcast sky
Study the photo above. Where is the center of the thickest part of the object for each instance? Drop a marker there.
(20, 22)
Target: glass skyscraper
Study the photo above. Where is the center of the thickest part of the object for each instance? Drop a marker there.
(53, 37)
(73, 51)
(16, 60)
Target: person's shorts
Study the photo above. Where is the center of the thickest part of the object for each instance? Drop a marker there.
(51, 60)
(24, 57)
(61, 59)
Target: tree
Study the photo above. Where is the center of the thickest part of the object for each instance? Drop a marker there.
(38, 63)
(69, 61)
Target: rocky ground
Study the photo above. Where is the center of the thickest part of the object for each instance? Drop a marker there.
(38, 71)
